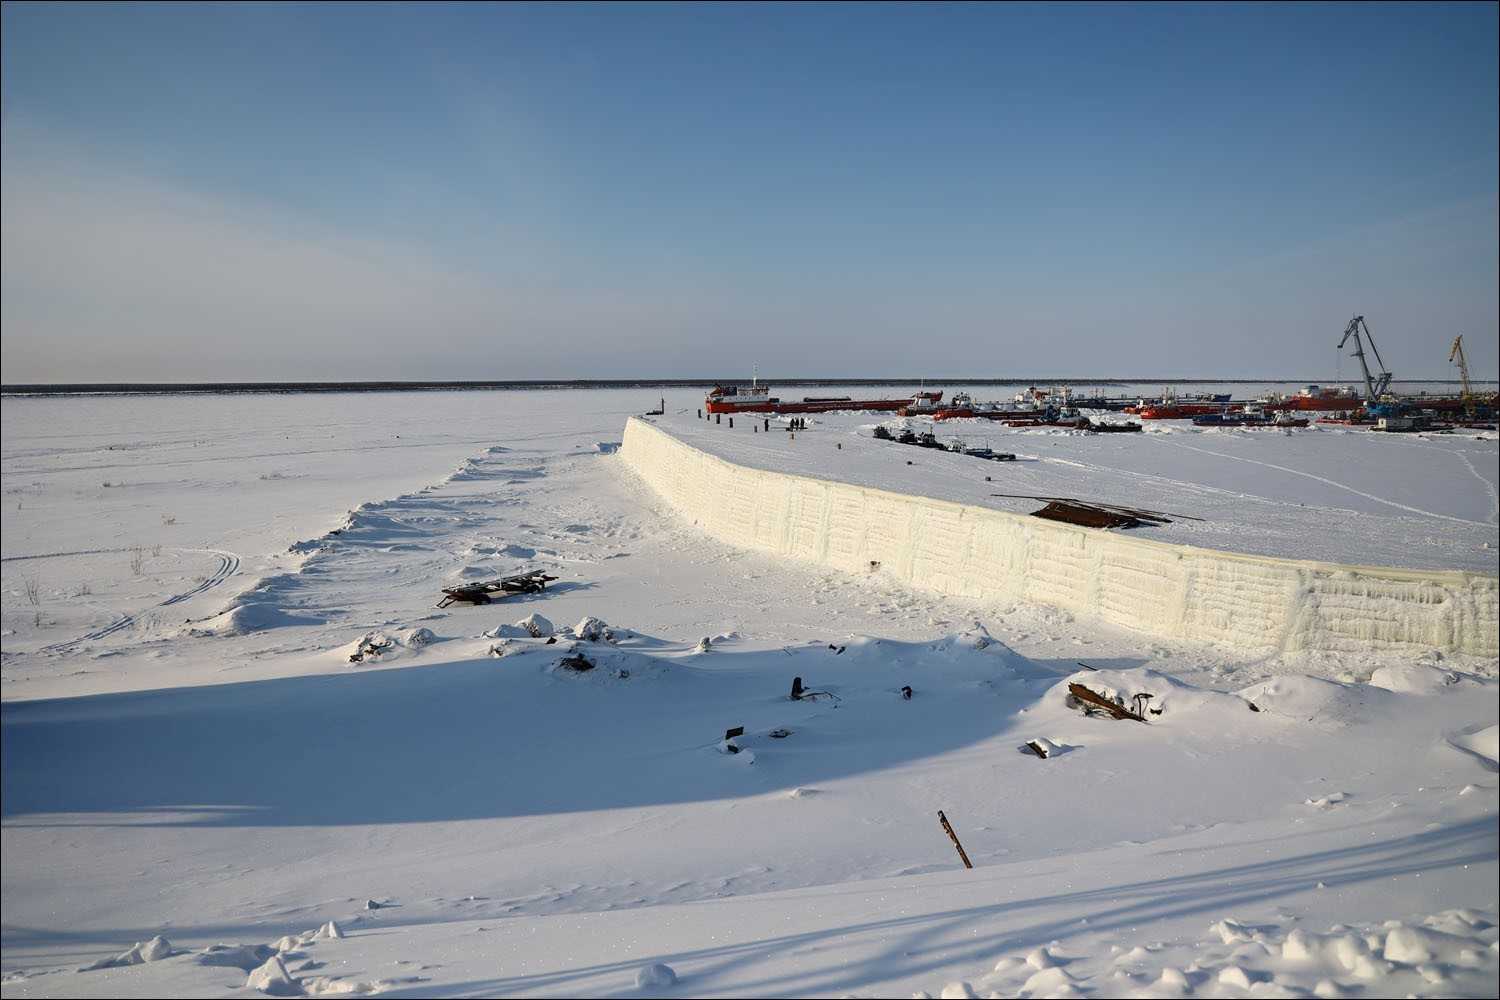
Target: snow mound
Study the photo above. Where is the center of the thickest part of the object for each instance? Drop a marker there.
(1328, 703)
(598, 663)
(655, 976)
(1051, 748)
(1483, 743)
(255, 610)
(142, 952)
(1453, 951)
(418, 637)
(591, 629)
(255, 617)
(378, 646)
(244, 957)
(1413, 678)
(536, 626)
(272, 979)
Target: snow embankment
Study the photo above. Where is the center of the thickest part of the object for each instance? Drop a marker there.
(1173, 591)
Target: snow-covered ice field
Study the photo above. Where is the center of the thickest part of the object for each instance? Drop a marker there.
(190, 754)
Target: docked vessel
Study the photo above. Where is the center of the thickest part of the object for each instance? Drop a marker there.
(757, 398)
(1177, 411)
(1315, 397)
(1172, 407)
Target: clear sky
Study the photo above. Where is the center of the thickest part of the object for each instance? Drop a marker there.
(281, 192)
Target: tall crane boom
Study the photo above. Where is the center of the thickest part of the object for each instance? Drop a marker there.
(1456, 357)
(1377, 384)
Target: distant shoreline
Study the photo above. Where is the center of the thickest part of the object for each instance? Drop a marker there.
(259, 388)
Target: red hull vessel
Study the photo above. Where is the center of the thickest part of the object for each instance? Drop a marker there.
(1180, 411)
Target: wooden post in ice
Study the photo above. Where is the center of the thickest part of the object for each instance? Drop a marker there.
(731, 421)
(954, 837)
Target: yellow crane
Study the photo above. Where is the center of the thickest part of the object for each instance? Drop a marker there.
(1456, 357)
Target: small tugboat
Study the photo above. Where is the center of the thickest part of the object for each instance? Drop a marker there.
(1284, 418)
(1250, 416)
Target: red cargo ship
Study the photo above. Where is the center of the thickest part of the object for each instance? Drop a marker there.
(1179, 411)
(1315, 397)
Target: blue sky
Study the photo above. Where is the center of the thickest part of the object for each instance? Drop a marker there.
(520, 191)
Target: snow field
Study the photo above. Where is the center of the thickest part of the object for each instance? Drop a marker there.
(479, 819)
(478, 775)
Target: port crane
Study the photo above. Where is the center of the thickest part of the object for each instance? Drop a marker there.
(1456, 357)
(1375, 385)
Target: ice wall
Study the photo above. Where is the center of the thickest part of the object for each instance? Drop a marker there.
(1174, 591)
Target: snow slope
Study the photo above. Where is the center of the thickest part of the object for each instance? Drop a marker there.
(448, 792)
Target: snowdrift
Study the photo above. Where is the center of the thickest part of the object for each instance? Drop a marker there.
(1173, 591)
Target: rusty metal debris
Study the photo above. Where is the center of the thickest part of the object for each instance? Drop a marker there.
(1091, 514)
(1037, 749)
(369, 647)
(1161, 516)
(491, 590)
(954, 837)
(1093, 701)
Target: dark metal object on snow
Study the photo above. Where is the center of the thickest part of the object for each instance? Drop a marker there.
(1097, 702)
(1087, 515)
(492, 590)
(954, 837)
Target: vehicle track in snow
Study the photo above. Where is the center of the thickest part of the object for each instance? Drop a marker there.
(229, 565)
(1326, 481)
(60, 555)
(1489, 487)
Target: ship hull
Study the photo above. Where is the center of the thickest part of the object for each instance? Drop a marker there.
(729, 405)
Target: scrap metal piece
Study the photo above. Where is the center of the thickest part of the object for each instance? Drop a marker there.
(1087, 515)
(531, 582)
(954, 837)
(1094, 699)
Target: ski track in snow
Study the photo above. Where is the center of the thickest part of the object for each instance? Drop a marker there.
(229, 564)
